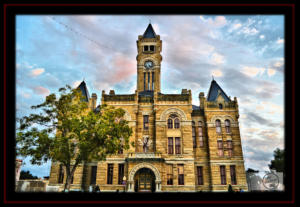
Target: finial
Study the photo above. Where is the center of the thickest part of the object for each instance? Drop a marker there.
(149, 21)
(213, 77)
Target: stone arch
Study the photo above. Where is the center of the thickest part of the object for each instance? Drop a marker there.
(164, 115)
(144, 165)
(140, 166)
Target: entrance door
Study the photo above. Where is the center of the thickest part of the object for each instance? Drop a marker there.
(144, 178)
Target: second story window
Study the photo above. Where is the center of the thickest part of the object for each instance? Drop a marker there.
(177, 145)
(220, 148)
(170, 145)
(218, 126)
(146, 122)
(227, 126)
(229, 148)
(200, 133)
(194, 134)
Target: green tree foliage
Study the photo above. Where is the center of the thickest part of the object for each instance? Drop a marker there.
(278, 162)
(67, 131)
(24, 175)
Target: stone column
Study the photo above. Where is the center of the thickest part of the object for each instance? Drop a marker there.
(158, 186)
(130, 187)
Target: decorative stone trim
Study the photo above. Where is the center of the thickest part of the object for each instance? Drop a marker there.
(167, 112)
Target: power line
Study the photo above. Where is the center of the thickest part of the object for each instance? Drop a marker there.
(80, 34)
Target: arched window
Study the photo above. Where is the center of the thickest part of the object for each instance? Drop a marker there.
(170, 123)
(200, 133)
(227, 126)
(194, 134)
(218, 126)
(177, 123)
(173, 122)
(220, 106)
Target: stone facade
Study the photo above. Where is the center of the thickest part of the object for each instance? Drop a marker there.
(172, 137)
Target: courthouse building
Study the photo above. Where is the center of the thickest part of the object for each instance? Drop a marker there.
(178, 146)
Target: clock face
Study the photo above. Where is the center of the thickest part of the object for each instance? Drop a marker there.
(148, 64)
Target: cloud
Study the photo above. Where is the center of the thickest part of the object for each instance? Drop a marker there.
(218, 21)
(249, 31)
(280, 41)
(217, 73)
(36, 72)
(271, 71)
(262, 36)
(236, 26)
(41, 90)
(252, 71)
(255, 118)
(217, 59)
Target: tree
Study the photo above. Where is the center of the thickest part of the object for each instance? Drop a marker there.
(24, 175)
(67, 131)
(278, 162)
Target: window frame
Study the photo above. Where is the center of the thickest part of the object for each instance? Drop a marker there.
(180, 176)
(220, 146)
(177, 145)
(218, 126)
(223, 174)
(170, 146)
(93, 175)
(170, 175)
(233, 175)
(120, 173)
(200, 180)
(110, 173)
(146, 122)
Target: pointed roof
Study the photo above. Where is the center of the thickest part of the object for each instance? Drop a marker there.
(214, 91)
(84, 91)
(149, 33)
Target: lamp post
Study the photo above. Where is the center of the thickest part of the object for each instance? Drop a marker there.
(124, 182)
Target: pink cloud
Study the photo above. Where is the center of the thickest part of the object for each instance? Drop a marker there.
(41, 90)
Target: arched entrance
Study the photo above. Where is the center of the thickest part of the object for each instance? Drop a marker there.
(141, 174)
(144, 180)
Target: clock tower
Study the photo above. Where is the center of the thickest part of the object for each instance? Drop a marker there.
(149, 60)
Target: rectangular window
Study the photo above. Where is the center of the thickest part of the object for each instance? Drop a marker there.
(233, 174)
(170, 174)
(144, 81)
(177, 145)
(152, 48)
(146, 122)
(153, 79)
(121, 173)
(110, 170)
(194, 136)
(61, 174)
(223, 174)
(229, 147)
(200, 175)
(170, 145)
(180, 175)
(146, 48)
(220, 148)
(93, 175)
(200, 134)
(149, 81)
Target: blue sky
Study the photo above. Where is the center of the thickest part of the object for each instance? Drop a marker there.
(244, 53)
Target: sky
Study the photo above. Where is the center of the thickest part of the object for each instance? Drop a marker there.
(244, 54)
